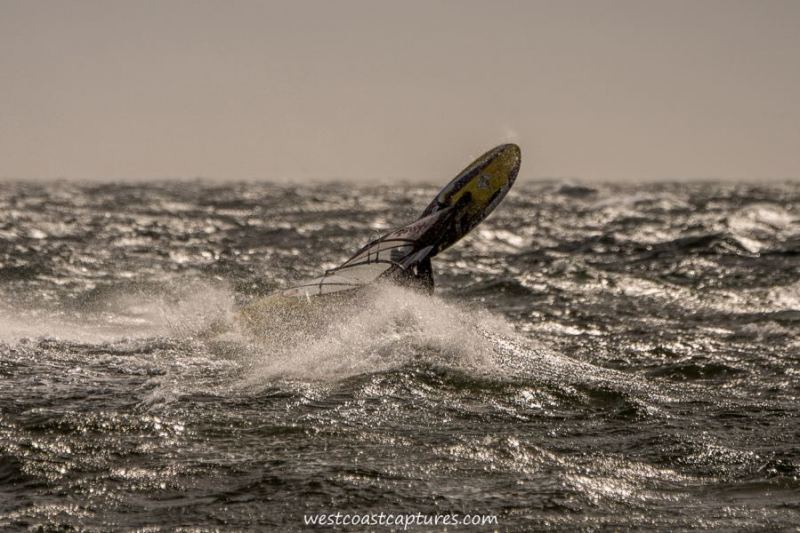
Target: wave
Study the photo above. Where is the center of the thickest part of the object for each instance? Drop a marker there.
(177, 309)
(186, 340)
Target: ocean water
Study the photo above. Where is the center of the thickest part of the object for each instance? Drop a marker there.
(594, 357)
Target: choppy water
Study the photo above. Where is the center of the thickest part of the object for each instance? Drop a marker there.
(614, 357)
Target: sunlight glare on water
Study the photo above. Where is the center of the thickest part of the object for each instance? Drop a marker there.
(592, 357)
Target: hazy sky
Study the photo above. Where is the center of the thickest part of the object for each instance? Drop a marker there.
(403, 89)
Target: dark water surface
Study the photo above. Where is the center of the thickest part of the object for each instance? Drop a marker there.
(610, 357)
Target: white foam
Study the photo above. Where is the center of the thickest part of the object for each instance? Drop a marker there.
(386, 328)
(785, 298)
(383, 328)
(184, 310)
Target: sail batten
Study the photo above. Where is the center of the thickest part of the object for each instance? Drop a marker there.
(385, 256)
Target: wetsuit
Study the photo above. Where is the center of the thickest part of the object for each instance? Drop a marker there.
(424, 275)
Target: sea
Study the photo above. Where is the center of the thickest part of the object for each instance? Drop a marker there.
(595, 357)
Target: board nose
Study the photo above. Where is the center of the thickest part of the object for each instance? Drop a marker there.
(510, 156)
(511, 150)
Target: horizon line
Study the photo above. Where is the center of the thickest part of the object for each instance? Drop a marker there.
(318, 180)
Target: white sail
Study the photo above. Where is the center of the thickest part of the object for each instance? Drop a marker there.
(399, 250)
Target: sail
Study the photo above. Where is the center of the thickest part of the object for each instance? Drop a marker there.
(388, 255)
